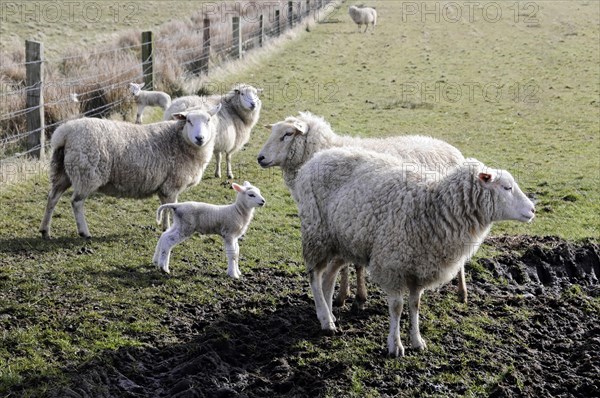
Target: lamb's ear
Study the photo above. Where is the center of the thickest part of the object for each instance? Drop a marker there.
(215, 110)
(238, 188)
(268, 126)
(179, 116)
(247, 184)
(300, 126)
(487, 177)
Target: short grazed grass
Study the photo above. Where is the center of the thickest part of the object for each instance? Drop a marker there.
(65, 302)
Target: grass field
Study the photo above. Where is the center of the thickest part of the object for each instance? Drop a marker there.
(516, 88)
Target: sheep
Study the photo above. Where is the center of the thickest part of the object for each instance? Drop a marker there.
(413, 230)
(230, 221)
(297, 139)
(145, 98)
(241, 110)
(363, 16)
(127, 160)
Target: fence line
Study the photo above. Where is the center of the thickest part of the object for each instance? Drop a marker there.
(228, 47)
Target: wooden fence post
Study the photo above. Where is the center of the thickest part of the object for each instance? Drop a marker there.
(147, 56)
(290, 15)
(237, 38)
(34, 52)
(261, 31)
(205, 47)
(277, 24)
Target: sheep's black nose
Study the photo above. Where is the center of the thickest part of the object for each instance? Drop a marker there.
(260, 158)
(199, 140)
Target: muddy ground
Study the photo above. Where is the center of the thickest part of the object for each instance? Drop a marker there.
(554, 348)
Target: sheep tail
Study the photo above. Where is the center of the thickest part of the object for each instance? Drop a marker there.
(57, 165)
(160, 210)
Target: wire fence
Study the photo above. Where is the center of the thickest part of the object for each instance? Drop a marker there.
(95, 84)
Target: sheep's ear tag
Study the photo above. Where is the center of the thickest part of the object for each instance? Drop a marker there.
(237, 187)
(485, 177)
(301, 127)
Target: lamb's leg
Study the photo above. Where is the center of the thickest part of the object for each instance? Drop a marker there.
(395, 347)
(229, 169)
(58, 188)
(217, 164)
(316, 284)
(329, 278)
(344, 290)
(366, 28)
(77, 202)
(414, 299)
(462, 285)
(165, 215)
(232, 251)
(138, 117)
(361, 288)
(168, 239)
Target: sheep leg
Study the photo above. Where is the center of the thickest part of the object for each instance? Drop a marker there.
(218, 164)
(167, 241)
(138, 117)
(316, 284)
(229, 169)
(462, 285)
(395, 347)
(366, 28)
(232, 249)
(58, 188)
(361, 288)
(329, 277)
(344, 290)
(77, 202)
(414, 299)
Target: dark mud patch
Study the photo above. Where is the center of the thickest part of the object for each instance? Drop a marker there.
(538, 336)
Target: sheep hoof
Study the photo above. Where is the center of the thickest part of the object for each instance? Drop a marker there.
(462, 297)
(230, 176)
(165, 269)
(395, 352)
(357, 306)
(85, 236)
(45, 235)
(419, 345)
(329, 332)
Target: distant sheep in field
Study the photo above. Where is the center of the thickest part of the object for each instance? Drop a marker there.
(230, 222)
(145, 98)
(127, 160)
(413, 230)
(363, 16)
(296, 140)
(240, 113)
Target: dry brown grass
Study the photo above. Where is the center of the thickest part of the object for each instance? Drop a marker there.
(101, 77)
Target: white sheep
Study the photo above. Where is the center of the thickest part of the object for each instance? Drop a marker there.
(128, 160)
(363, 16)
(145, 98)
(297, 139)
(413, 230)
(241, 110)
(230, 222)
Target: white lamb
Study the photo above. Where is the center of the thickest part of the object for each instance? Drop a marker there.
(297, 139)
(363, 16)
(145, 98)
(241, 110)
(128, 160)
(413, 230)
(230, 221)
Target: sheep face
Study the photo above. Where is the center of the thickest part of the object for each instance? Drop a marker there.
(197, 130)
(249, 194)
(510, 202)
(135, 88)
(248, 97)
(283, 134)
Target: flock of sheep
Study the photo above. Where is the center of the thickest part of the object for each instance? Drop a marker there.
(410, 210)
